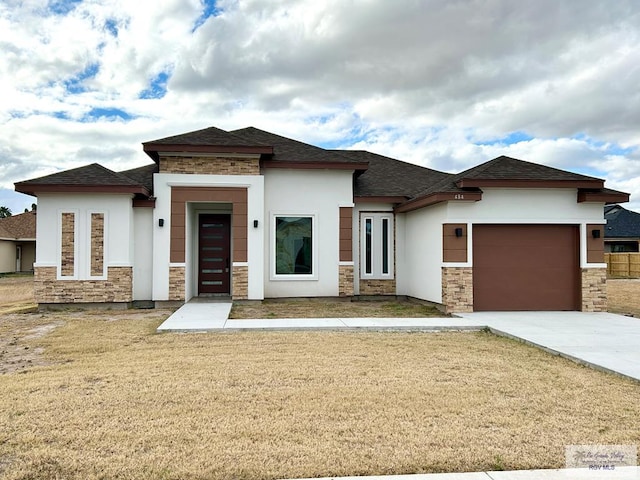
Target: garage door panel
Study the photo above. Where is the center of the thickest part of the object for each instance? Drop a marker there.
(525, 267)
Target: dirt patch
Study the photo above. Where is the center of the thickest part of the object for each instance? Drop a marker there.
(624, 296)
(17, 333)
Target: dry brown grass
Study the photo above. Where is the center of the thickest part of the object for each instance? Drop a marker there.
(16, 293)
(118, 401)
(623, 296)
(334, 308)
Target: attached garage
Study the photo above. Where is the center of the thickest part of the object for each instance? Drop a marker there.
(526, 267)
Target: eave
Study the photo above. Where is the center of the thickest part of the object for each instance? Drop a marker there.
(315, 165)
(153, 149)
(606, 197)
(438, 197)
(529, 183)
(34, 189)
(380, 199)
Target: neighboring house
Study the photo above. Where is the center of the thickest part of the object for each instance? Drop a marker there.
(622, 233)
(255, 215)
(18, 243)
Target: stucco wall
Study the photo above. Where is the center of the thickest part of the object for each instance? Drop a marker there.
(162, 235)
(320, 193)
(504, 205)
(420, 263)
(118, 233)
(142, 253)
(420, 272)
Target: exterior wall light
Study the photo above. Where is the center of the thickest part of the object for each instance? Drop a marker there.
(595, 233)
(161, 222)
(458, 232)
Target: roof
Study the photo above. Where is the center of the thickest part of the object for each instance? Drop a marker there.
(275, 151)
(293, 153)
(19, 227)
(92, 178)
(510, 172)
(388, 177)
(377, 178)
(621, 223)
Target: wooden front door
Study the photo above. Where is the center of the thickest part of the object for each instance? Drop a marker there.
(214, 252)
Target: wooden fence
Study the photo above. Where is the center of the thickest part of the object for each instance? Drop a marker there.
(623, 264)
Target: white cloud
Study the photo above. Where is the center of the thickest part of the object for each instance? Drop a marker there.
(434, 82)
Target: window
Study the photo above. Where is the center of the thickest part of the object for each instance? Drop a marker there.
(294, 246)
(377, 245)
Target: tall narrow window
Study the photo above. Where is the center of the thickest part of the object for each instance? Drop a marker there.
(385, 246)
(293, 245)
(367, 245)
(377, 246)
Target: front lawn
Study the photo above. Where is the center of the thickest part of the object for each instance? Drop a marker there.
(115, 400)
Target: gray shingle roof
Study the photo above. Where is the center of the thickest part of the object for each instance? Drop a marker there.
(143, 175)
(207, 136)
(508, 168)
(621, 223)
(93, 175)
(390, 177)
(289, 150)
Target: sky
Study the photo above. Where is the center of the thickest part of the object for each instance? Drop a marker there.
(446, 84)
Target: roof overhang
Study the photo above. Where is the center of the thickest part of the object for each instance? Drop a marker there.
(608, 196)
(34, 189)
(529, 183)
(380, 199)
(154, 149)
(316, 165)
(438, 197)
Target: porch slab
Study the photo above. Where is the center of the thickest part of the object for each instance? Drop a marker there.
(197, 315)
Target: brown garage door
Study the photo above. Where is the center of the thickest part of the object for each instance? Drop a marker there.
(525, 267)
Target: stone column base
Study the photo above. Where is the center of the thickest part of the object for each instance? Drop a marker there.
(594, 290)
(457, 289)
(240, 282)
(345, 280)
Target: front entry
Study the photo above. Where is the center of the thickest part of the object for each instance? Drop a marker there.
(214, 254)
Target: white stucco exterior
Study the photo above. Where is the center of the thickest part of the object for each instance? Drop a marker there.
(163, 182)
(118, 232)
(316, 193)
(142, 253)
(420, 260)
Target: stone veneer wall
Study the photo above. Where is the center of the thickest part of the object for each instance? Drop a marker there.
(177, 284)
(118, 287)
(210, 165)
(594, 289)
(97, 244)
(378, 287)
(240, 282)
(67, 245)
(457, 289)
(345, 280)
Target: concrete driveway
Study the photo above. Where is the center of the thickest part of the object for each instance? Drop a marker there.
(605, 341)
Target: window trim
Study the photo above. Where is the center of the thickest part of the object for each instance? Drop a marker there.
(377, 243)
(314, 249)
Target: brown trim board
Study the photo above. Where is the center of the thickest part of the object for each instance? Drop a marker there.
(236, 196)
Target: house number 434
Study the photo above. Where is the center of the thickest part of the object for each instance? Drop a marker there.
(458, 196)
